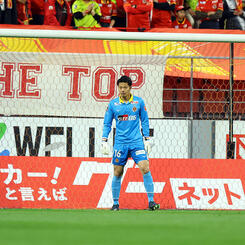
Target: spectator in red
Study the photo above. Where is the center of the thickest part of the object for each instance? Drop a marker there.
(162, 13)
(37, 9)
(24, 12)
(8, 12)
(209, 12)
(57, 12)
(121, 15)
(181, 21)
(138, 14)
(108, 11)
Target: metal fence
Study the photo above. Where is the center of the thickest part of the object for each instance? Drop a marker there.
(198, 99)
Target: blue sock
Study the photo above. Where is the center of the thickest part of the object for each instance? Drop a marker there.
(116, 187)
(149, 187)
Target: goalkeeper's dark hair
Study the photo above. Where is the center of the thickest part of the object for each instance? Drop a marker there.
(125, 79)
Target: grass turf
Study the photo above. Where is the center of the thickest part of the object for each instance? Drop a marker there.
(129, 227)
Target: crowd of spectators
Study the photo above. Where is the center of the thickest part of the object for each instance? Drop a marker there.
(132, 15)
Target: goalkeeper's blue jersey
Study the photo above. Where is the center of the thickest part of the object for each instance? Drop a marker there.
(128, 116)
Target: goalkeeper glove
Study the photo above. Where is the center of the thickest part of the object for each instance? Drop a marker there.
(104, 147)
(147, 144)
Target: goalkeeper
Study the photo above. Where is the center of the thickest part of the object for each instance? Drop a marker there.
(128, 111)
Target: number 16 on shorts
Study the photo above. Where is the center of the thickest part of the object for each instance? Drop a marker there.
(117, 153)
(119, 158)
(120, 155)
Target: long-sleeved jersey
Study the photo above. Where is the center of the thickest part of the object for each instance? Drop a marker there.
(138, 13)
(88, 20)
(128, 116)
(37, 7)
(161, 17)
(24, 12)
(57, 13)
(203, 7)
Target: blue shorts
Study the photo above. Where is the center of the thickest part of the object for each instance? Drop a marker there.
(121, 153)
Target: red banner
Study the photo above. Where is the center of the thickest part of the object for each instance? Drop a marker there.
(77, 183)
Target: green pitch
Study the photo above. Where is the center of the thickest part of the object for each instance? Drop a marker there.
(126, 227)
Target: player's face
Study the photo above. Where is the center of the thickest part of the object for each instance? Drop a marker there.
(124, 90)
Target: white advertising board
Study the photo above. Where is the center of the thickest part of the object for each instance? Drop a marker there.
(80, 137)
